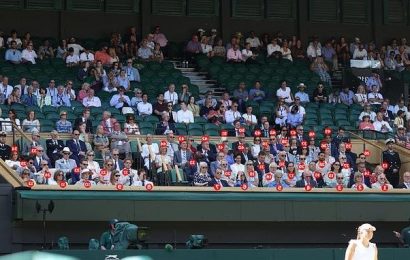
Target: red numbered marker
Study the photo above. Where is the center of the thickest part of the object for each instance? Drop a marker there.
(241, 148)
(221, 147)
(87, 184)
(227, 173)
(346, 165)
(63, 184)
(328, 131)
(385, 187)
(348, 146)
(272, 132)
(323, 145)
(322, 164)
(312, 134)
(33, 150)
(360, 187)
(331, 175)
(125, 172)
(149, 187)
(265, 144)
(119, 186)
(252, 174)
(279, 187)
(291, 175)
(317, 175)
(308, 188)
(304, 144)
(242, 130)
(339, 187)
(244, 186)
(366, 153)
(284, 141)
(14, 148)
(163, 143)
(385, 165)
(181, 138)
(301, 166)
(103, 172)
(367, 173)
(205, 138)
(261, 167)
(30, 183)
(373, 179)
(77, 170)
(292, 132)
(282, 164)
(47, 175)
(224, 133)
(192, 163)
(257, 133)
(217, 187)
(269, 176)
(23, 164)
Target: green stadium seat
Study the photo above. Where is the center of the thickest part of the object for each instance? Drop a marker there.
(195, 132)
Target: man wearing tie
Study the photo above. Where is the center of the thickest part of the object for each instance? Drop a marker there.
(85, 118)
(306, 180)
(77, 147)
(118, 163)
(35, 141)
(217, 179)
(40, 156)
(406, 181)
(182, 158)
(54, 147)
(66, 164)
(149, 152)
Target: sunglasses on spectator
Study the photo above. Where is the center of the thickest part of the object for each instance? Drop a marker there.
(204, 167)
(115, 154)
(91, 155)
(218, 173)
(362, 157)
(110, 164)
(258, 140)
(117, 176)
(340, 178)
(302, 158)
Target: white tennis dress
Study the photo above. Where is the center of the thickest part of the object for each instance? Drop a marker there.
(363, 253)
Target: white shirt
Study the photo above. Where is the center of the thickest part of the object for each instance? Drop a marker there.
(144, 108)
(146, 153)
(5, 90)
(302, 110)
(92, 102)
(374, 95)
(284, 94)
(314, 52)
(361, 98)
(246, 54)
(371, 114)
(72, 59)
(185, 116)
(171, 97)
(231, 116)
(357, 54)
(77, 48)
(361, 252)
(251, 118)
(254, 42)
(397, 108)
(272, 49)
(286, 54)
(86, 56)
(378, 126)
(29, 55)
(206, 48)
(115, 101)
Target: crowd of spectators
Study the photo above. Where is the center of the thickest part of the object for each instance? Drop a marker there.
(282, 154)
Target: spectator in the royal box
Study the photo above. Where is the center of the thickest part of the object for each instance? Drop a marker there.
(29, 55)
(307, 179)
(132, 73)
(120, 141)
(207, 151)
(301, 94)
(249, 118)
(61, 98)
(202, 178)
(319, 94)
(284, 92)
(35, 141)
(406, 181)
(13, 55)
(217, 180)
(31, 124)
(234, 54)
(358, 180)
(29, 99)
(392, 158)
(101, 141)
(76, 146)
(54, 147)
(347, 96)
(256, 93)
(381, 181)
(165, 126)
(219, 49)
(380, 125)
(366, 124)
(66, 164)
(5, 150)
(184, 115)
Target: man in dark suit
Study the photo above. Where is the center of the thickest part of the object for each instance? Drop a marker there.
(235, 145)
(406, 181)
(5, 150)
(260, 166)
(306, 180)
(392, 158)
(182, 156)
(38, 157)
(165, 126)
(217, 179)
(238, 130)
(77, 147)
(54, 147)
(361, 168)
(85, 118)
(208, 151)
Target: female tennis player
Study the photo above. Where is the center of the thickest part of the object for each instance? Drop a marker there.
(361, 248)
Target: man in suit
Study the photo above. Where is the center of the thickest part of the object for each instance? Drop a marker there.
(392, 158)
(207, 151)
(217, 164)
(241, 141)
(406, 181)
(5, 150)
(172, 146)
(164, 127)
(77, 147)
(66, 164)
(182, 158)
(260, 166)
(107, 122)
(54, 147)
(119, 140)
(236, 131)
(118, 163)
(306, 180)
(74, 174)
(85, 118)
(217, 179)
(35, 141)
(39, 156)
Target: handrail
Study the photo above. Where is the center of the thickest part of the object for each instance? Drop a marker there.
(15, 127)
(366, 141)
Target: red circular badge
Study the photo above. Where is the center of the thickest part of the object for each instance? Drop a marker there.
(63, 184)
(317, 175)
(125, 172)
(217, 187)
(30, 183)
(346, 165)
(252, 174)
(77, 170)
(103, 172)
(244, 186)
(385, 187)
(301, 166)
(269, 176)
(224, 133)
(149, 187)
(367, 173)
(119, 186)
(385, 165)
(291, 175)
(339, 187)
(282, 164)
(331, 175)
(366, 153)
(308, 187)
(227, 173)
(261, 166)
(87, 184)
(322, 164)
(360, 187)
(279, 187)
(23, 164)
(257, 133)
(47, 175)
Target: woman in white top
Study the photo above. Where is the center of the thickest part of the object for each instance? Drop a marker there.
(7, 127)
(361, 248)
(247, 52)
(206, 48)
(256, 147)
(93, 166)
(360, 96)
(281, 113)
(237, 167)
(130, 126)
(286, 52)
(249, 118)
(273, 47)
(31, 124)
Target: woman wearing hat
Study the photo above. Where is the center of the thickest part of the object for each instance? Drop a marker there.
(361, 248)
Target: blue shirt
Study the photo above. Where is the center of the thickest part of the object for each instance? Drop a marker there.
(294, 119)
(64, 127)
(29, 100)
(132, 74)
(273, 184)
(256, 94)
(303, 96)
(13, 55)
(61, 100)
(346, 98)
(144, 53)
(328, 53)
